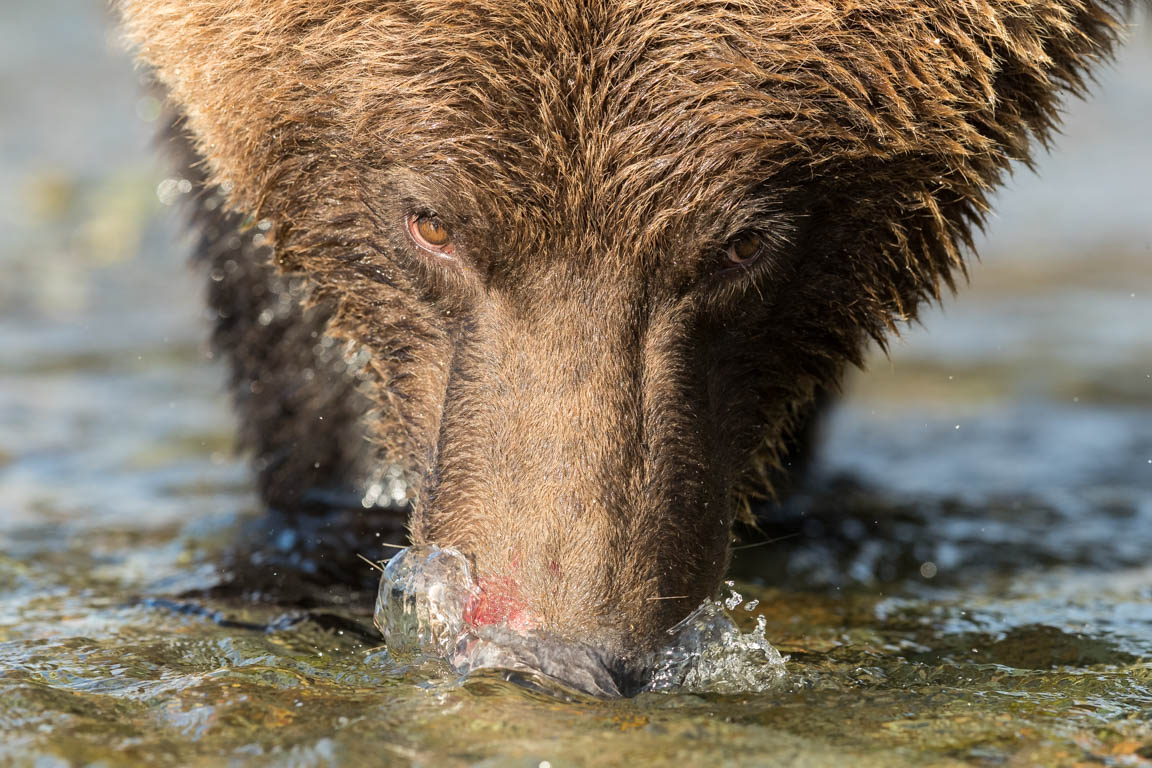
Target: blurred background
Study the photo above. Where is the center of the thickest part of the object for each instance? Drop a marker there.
(1027, 380)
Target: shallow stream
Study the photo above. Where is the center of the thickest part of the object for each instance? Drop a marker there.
(968, 581)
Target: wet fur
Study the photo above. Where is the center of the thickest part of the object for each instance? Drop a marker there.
(583, 404)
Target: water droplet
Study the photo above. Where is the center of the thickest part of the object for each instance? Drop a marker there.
(168, 191)
(372, 495)
(148, 109)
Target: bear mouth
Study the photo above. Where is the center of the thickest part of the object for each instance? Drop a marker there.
(426, 603)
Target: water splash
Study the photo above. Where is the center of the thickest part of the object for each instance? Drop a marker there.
(421, 601)
(425, 591)
(709, 654)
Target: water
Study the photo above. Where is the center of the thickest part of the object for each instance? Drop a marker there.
(966, 583)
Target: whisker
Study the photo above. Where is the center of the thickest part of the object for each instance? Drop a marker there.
(669, 597)
(766, 541)
(372, 563)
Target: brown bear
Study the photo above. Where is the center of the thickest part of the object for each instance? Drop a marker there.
(568, 274)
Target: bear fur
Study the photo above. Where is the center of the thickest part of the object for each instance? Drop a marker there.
(580, 396)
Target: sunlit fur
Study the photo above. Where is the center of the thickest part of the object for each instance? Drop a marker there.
(584, 394)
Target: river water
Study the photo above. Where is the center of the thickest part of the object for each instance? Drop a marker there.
(967, 582)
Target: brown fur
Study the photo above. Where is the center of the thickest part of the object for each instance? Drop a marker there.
(579, 399)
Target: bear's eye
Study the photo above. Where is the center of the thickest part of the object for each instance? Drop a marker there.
(430, 233)
(743, 249)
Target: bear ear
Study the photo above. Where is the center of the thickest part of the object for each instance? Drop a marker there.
(258, 84)
(1023, 59)
(882, 78)
(907, 113)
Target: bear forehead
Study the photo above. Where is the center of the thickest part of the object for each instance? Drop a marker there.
(616, 81)
(616, 110)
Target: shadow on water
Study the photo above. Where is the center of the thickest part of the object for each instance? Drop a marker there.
(965, 582)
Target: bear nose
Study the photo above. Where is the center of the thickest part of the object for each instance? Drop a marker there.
(497, 602)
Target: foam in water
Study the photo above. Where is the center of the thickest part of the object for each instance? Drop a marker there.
(425, 592)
